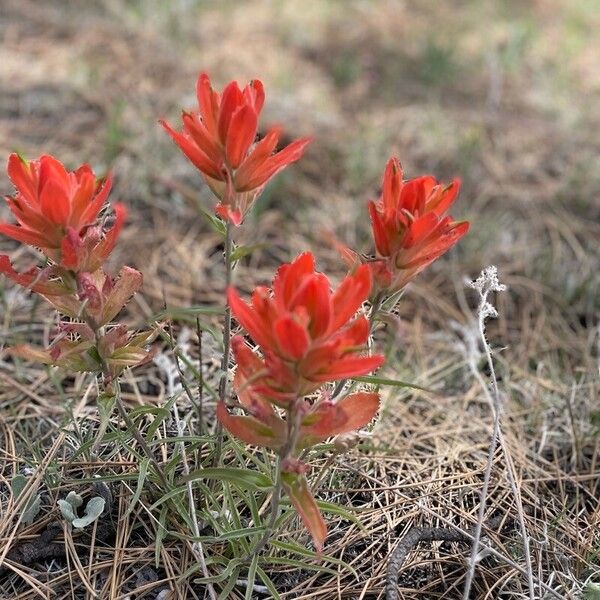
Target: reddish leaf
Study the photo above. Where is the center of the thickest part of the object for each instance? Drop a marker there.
(296, 487)
(360, 409)
(251, 430)
(349, 414)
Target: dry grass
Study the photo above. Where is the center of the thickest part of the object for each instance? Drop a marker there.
(503, 94)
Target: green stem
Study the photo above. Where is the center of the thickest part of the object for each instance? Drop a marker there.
(226, 340)
(140, 439)
(287, 451)
(107, 376)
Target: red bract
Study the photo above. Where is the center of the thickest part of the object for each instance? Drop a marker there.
(410, 226)
(219, 140)
(105, 297)
(56, 210)
(262, 425)
(308, 334)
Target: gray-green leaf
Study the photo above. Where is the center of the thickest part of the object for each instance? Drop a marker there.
(32, 508)
(592, 591)
(93, 510)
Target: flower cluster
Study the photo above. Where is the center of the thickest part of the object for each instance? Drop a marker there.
(220, 140)
(305, 335)
(410, 227)
(308, 336)
(58, 212)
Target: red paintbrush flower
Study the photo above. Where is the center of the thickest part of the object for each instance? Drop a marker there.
(305, 330)
(219, 140)
(410, 226)
(56, 211)
(262, 425)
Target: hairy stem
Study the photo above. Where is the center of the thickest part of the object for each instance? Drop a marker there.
(139, 438)
(226, 339)
(197, 547)
(293, 421)
(116, 390)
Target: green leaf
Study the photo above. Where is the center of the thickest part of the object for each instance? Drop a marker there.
(374, 380)
(241, 477)
(241, 251)
(307, 553)
(68, 506)
(290, 562)
(106, 405)
(31, 509)
(592, 591)
(161, 534)
(268, 583)
(18, 484)
(228, 587)
(216, 224)
(231, 567)
(251, 577)
(340, 511)
(140, 486)
(187, 312)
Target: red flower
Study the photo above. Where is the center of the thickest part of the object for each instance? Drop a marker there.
(305, 331)
(220, 141)
(409, 225)
(55, 210)
(263, 426)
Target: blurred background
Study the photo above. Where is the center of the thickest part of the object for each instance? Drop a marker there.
(503, 94)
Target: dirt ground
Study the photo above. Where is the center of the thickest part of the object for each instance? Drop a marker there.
(504, 94)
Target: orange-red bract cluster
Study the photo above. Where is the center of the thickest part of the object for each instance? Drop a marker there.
(308, 335)
(58, 211)
(410, 228)
(220, 140)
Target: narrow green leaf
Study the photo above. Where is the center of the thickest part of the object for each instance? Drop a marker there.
(229, 569)
(187, 312)
(375, 380)
(340, 511)
(242, 251)
(215, 223)
(140, 486)
(290, 562)
(106, 405)
(251, 577)
(307, 553)
(161, 534)
(268, 583)
(228, 588)
(241, 477)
